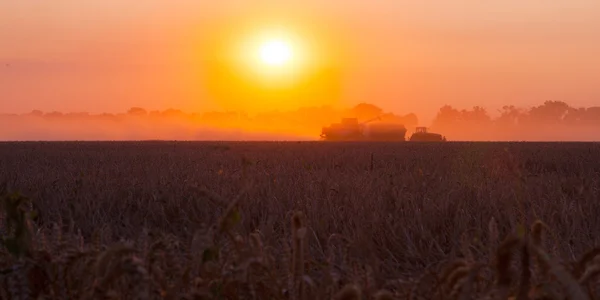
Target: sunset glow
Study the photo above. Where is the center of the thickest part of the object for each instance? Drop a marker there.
(254, 132)
(275, 57)
(405, 57)
(275, 53)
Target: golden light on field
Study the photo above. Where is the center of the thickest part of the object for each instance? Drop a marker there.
(275, 52)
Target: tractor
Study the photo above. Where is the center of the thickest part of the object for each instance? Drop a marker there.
(422, 135)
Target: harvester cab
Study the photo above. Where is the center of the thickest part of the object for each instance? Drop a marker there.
(348, 129)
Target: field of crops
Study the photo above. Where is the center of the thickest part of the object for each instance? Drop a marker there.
(175, 220)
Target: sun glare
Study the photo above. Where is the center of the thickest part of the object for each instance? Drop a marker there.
(275, 53)
(274, 60)
(262, 66)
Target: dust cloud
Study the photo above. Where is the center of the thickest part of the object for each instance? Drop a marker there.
(551, 121)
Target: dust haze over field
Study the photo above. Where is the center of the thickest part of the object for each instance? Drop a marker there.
(90, 128)
(549, 121)
(172, 124)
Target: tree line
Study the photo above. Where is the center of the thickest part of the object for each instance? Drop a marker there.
(552, 120)
(549, 113)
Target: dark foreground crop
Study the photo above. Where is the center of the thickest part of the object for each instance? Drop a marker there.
(222, 264)
(299, 220)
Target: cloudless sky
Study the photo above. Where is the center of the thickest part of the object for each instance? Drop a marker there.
(406, 56)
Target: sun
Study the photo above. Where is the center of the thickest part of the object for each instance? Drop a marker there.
(273, 59)
(275, 52)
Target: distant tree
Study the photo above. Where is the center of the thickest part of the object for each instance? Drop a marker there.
(217, 116)
(78, 115)
(36, 113)
(365, 111)
(172, 113)
(137, 111)
(154, 113)
(510, 115)
(478, 115)
(550, 111)
(592, 114)
(107, 116)
(55, 114)
(575, 115)
(447, 115)
(411, 120)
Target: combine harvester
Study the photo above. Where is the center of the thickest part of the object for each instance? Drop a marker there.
(351, 130)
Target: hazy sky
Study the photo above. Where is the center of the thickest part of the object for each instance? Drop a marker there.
(109, 55)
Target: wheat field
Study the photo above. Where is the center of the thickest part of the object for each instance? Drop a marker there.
(299, 220)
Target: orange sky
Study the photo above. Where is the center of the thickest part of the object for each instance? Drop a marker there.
(405, 56)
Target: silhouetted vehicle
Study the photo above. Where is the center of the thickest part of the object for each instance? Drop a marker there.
(422, 135)
(351, 130)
